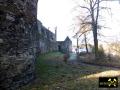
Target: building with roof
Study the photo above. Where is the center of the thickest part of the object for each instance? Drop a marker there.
(65, 46)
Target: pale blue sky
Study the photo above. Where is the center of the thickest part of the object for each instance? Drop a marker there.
(59, 13)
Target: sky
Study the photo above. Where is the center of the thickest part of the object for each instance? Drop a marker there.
(112, 21)
(60, 13)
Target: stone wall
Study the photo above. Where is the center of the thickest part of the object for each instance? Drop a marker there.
(47, 39)
(65, 46)
(19, 41)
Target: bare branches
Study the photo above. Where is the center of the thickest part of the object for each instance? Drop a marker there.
(83, 33)
(85, 8)
(97, 12)
(94, 3)
(90, 22)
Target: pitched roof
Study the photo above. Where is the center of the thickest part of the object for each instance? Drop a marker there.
(67, 39)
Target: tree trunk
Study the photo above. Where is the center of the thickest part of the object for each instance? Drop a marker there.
(77, 46)
(86, 43)
(95, 41)
(94, 26)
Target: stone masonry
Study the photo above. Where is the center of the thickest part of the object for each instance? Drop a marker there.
(22, 38)
(65, 46)
(47, 39)
(18, 42)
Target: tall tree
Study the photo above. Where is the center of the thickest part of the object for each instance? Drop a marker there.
(86, 46)
(91, 19)
(94, 8)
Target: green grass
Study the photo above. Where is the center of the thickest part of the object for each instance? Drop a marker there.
(53, 74)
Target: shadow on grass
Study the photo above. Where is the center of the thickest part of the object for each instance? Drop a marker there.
(53, 74)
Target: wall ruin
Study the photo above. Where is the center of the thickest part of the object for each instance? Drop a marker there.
(18, 42)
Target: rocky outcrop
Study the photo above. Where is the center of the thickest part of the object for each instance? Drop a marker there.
(18, 42)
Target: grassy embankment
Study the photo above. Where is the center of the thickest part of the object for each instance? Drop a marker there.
(113, 61)
(54, 74)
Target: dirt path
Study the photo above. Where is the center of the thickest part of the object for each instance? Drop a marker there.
(112, 67)
(73, 57)
(73, 60)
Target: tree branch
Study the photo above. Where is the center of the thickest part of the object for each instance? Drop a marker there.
(85, 8)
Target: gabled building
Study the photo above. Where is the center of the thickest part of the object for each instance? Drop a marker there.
(65, 46)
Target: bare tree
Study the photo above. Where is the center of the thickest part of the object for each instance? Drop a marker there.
(84, 29)
(94, 8)
(115, 47)
(86, 46)
(90, 21)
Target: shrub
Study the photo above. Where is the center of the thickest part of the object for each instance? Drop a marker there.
(101, 52)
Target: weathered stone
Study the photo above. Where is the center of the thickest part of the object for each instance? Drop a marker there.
(22, 37)
(1, 40)
(47, 39)
(9, 17)
(65, 46)
(18, 42)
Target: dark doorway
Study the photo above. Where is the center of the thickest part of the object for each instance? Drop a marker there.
(59, 47)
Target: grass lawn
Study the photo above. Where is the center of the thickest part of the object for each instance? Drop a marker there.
(53, 74)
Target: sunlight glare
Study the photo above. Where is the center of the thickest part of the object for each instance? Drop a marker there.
(109, 73)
